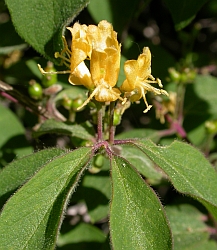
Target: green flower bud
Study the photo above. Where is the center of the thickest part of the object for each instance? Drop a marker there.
(116, 118)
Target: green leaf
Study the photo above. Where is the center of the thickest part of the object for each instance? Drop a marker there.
(12, 137)
(142, 163)
(97, 185)
(203, 108)
(51, 126)
(32, 217)
(137, 218)
(140, 133)
(119, 13)
(187, 226)
(203, 92)
(188, 170)
(72, 93)
(19, 171)
(43, 24)
(82, 236)
(183, 12)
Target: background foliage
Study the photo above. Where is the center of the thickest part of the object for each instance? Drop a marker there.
(182, 38)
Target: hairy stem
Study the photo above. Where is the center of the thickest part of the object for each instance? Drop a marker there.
(99, 124)
(111, 125)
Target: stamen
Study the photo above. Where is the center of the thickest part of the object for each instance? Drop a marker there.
(58, 55)
(52, 73)
(89, 98)
(145, 101)
(159, 82)
(66, 48)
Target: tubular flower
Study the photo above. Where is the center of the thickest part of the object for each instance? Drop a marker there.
(98, 44)
(138, 79)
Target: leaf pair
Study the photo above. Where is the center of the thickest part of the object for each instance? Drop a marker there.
(32, 217)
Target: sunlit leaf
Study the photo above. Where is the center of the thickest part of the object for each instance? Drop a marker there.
(19, 171)
(187, 168)
(41, 22)
(36, 210)
(137, 218)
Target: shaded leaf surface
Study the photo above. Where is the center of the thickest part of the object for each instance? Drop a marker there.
(187, 168)
(19, 171)
(111, 9)
(35, 211)
(41, 22)
(187, 226)
(137, 218)
(51, 126)
(183, 11)
(96, 189)
(12, 137)
(83, 236)
(141, 162)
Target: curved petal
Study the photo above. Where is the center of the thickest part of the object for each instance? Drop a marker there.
(80, 47)
(105, 94)
(144, 63)
(136, 96)
(81, 76)
(131, 72)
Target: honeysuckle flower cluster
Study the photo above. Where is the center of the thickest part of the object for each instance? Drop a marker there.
(100, 46)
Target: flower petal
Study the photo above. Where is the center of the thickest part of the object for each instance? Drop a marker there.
(131, 72)
(144, 64)
(80, 47)
(81, 76)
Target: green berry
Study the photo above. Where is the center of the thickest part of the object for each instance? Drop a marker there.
(174, 75)
(211, 127)
(76, 103)
(35, 90)
(67, 103)
(49, 80)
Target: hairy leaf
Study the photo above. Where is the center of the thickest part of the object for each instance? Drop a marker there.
(187, 169)
(137, 218)
(32, 217)
(19, 171)
(41, 22)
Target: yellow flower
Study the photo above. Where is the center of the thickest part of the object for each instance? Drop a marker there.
(138, 79)
(98, 44)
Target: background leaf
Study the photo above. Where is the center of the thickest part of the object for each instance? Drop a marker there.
(203, 108)
(51, 126)
(82, 236)
(187, 169)
(41, 22)
(19, 171)
(12, 137)
(137, 218)
(183, 12)
(142, 163)
(111, 9)
(188, 227)
(96, 190)
(35, 211)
